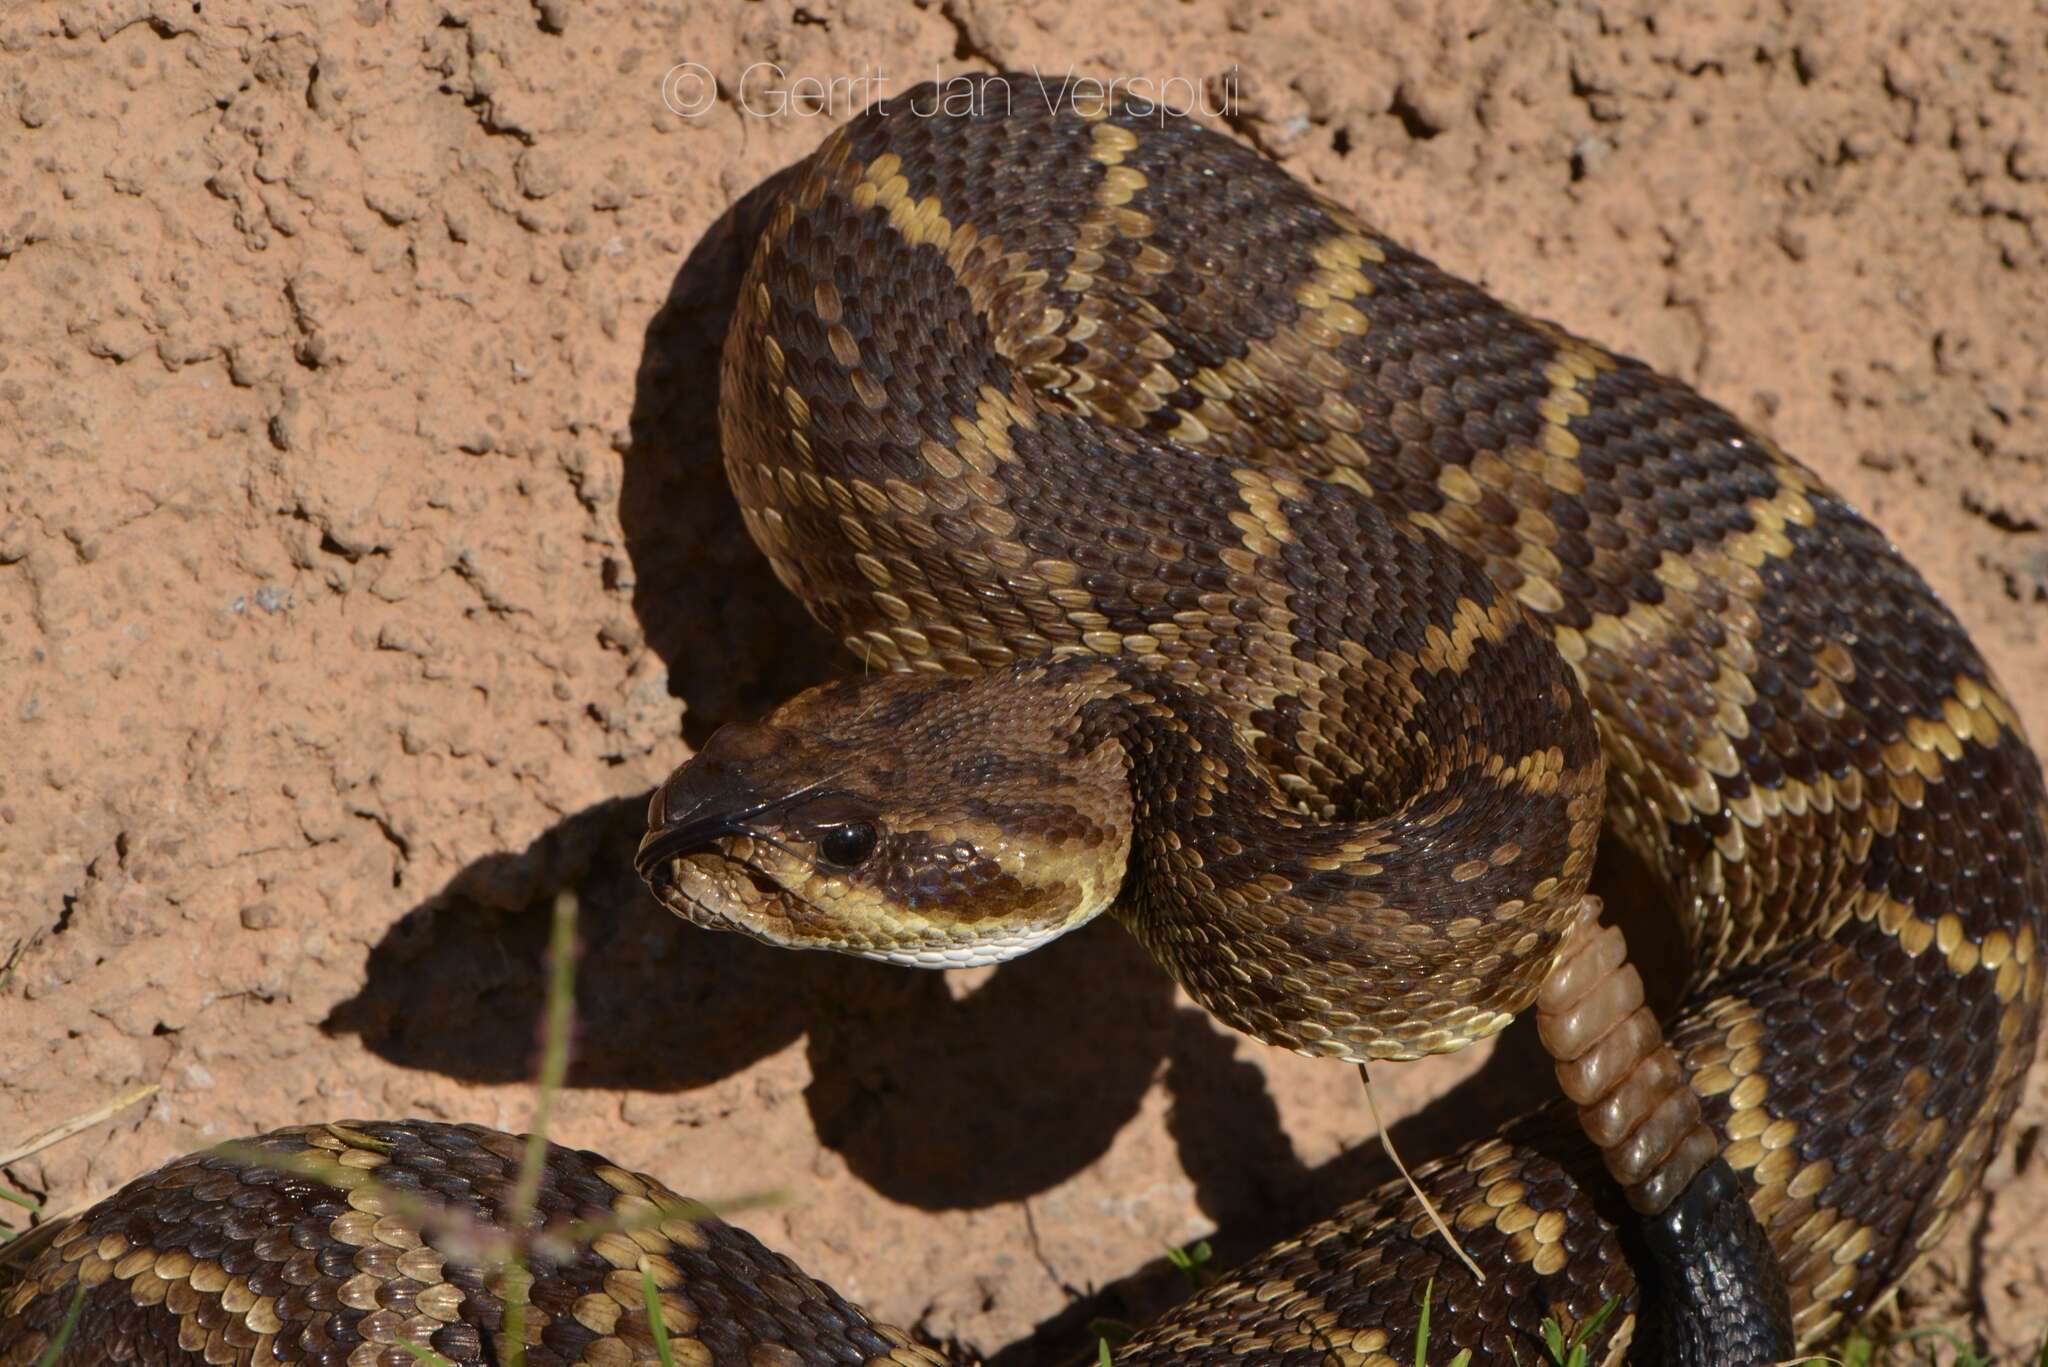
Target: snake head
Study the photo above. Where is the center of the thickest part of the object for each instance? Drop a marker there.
(922, 819)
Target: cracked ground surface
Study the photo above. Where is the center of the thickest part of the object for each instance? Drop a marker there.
(364, 560)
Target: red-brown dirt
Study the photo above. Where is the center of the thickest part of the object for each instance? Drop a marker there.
(364, 560)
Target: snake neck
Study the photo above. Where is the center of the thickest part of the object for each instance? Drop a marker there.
(1413, 925)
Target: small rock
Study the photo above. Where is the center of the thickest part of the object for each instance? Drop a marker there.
(1861, 144)
(120, 340)
(261, 916)
(539, 174)
(2028, 160)
(393, 203)
(21, 233)
(1590, 151)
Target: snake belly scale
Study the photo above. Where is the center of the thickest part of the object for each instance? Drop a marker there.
(1270, 521)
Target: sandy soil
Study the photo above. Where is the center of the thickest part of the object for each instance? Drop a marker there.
(364, 560)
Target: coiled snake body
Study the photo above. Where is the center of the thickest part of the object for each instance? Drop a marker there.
(1314, 611)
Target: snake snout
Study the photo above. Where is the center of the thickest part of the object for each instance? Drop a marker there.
(710, 797)
(680, 824)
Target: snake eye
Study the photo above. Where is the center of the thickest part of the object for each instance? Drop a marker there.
(848, 845)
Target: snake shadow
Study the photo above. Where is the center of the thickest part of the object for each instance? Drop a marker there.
(734, 641)
(935, 1102)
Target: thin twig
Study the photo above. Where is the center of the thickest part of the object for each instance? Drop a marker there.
(58, 1133)
(1428, 1206)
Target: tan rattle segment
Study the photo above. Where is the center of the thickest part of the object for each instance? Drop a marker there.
(1633, 1097)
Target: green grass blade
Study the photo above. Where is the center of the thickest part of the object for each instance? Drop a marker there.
(559, 1014)
(1582, 1338)
(70, 1327)
(657, 1325)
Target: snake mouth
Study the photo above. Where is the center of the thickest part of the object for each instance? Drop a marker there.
(661, 847)
(699, 868)
(721, 889)
(700, 885)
